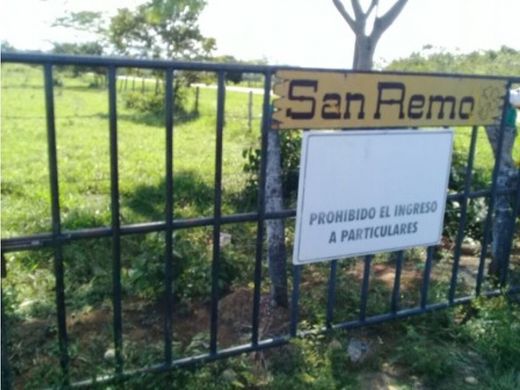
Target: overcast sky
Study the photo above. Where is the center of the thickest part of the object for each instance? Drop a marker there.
(296, 32)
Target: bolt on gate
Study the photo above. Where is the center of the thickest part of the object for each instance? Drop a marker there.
(302, 117)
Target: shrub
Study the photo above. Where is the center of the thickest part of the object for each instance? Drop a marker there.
(153, 102)
(495, 332)
(476, 208)
(290, 142)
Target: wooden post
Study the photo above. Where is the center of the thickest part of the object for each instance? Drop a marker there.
(196, 109)
(250, 111)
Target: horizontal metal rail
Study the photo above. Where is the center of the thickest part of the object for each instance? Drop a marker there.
(39, 241)
(124, 62)
(43, 240)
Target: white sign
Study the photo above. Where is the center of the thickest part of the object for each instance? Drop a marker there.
(365, 192)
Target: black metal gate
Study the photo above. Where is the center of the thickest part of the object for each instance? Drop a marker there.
(58, 237)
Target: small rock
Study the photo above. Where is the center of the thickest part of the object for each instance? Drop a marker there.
(224, 239)
(110, 354)
(470, 247)
(357, 350)
(471, 380)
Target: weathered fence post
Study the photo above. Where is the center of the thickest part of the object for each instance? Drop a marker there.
(196, 108)
(6, 372)
(250, 111)
(276, 252)
(502, 209)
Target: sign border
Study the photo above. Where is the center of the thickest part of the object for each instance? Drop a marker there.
(331, 133)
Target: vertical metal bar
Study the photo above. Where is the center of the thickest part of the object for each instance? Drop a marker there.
(266, 124)
(331, 294)
(295, 300)
(489, 216)
(116, 234)
(215, 267)
(250, 110)
(56, 223)
(463, 215)
(426, 276)
(396, 292)
(168, 257)
(3, 266)
(364, 288)
(514, 212)
(6, 369)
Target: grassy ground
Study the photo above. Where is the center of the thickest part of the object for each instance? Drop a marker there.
(438, 351)
(82, 138)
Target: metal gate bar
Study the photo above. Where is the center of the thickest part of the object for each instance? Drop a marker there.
(215, 266)
(492, 197)
(168, 232)
(463, 214)
(257, 276)
(56, 223)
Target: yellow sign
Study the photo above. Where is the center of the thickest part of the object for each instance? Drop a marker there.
(326, 100)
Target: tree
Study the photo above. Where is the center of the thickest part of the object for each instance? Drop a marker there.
(365, 44)
(507, 177)
(86, 48)
(92, 22)
(161, 28)
(504, 61)
(157, 28)
(6, 46)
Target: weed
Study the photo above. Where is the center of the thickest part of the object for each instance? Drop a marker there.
(495, 332)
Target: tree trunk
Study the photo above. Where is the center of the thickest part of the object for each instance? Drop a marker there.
(275, 228)
(364, 53)
(503, 219)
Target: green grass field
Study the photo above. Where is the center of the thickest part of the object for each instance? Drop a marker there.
(81, 110)
(83, 159)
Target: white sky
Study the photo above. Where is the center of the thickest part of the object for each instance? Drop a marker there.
(296, 32)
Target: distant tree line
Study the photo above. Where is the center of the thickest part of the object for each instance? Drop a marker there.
(504, 61)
